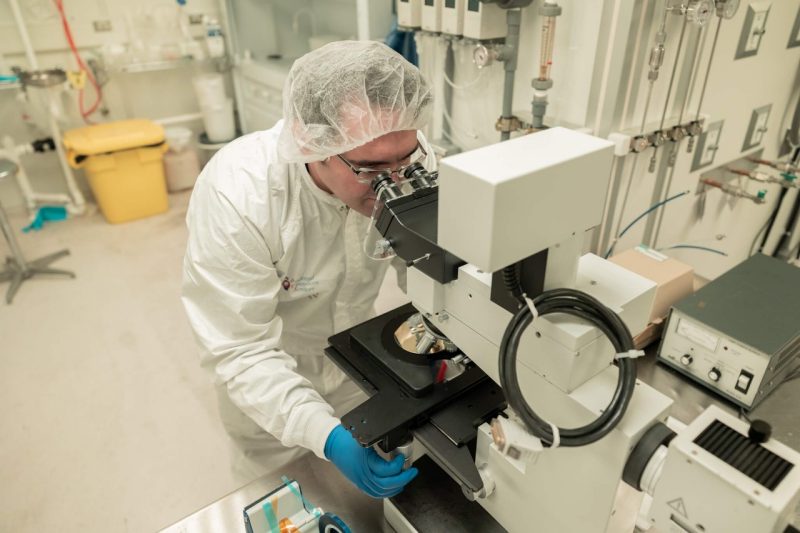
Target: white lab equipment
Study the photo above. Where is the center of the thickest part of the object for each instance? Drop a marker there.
(484, 21)
(409, 13)
(453, 16)
(575, 437)
(432, 15)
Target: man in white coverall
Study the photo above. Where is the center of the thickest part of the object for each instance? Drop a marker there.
(275, 264)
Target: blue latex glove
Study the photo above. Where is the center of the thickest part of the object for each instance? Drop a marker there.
(365, 468)
(46, 214)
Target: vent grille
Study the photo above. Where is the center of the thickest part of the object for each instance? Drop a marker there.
(746, 456)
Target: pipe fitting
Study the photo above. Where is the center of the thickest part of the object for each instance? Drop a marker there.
(549, 10)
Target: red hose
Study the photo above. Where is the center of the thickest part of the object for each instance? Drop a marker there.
(98, 91)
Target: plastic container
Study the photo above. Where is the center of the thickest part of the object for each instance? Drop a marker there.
(219, 121)
(181, 164)
(178, 138)
(181, 169)
(209, 89)
(123, 163)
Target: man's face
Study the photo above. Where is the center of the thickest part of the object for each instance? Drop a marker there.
(334, 176)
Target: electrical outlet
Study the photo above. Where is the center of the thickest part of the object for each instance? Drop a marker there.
(757, 127)
(101, 25)
(794, 38)
(754, 28)
(196, 19)
(707, 146)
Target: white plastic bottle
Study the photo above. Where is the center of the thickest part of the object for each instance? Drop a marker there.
(215, 42)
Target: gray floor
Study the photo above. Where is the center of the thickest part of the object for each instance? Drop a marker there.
(108, 423)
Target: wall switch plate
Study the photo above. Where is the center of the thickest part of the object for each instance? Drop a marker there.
(794, 38)
(754, 28)
(757, 127)
(707, 145)
(101, 25)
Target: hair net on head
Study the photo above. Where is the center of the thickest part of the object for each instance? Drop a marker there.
(346, 94)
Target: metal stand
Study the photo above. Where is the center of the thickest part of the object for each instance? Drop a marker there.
(17, 269)
(17, 272)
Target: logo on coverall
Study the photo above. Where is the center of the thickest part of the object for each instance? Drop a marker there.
(306, 285)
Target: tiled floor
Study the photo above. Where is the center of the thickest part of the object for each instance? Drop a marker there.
(108, 423)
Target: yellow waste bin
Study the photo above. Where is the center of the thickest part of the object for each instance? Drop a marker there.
(123, 161)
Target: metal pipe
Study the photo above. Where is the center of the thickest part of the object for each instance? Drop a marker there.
(513, 17)
(11, 239)
(669, 90)
(78, 205)
(708, 68)
(33, 63)
(449, 72)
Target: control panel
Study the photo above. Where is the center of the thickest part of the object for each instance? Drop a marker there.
(713, 359)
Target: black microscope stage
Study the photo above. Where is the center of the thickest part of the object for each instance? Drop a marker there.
(405, 400)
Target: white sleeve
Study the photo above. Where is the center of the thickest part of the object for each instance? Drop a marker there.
(230, 293)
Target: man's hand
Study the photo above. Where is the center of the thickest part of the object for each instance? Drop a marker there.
(365, 468)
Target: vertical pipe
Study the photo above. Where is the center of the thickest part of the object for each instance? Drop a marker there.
(362, 20)
(513, 17)
(708, 69)
(33, 63)
(77, 197)
(449, 71)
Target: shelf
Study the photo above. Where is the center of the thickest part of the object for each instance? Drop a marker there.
(154, 66)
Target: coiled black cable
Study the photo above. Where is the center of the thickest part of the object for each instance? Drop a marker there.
(586, 307)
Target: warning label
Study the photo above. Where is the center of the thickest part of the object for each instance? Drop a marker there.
(677, 505)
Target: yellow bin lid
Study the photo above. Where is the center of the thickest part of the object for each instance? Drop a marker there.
(113, 136)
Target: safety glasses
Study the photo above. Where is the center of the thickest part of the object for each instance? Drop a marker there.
(365, 175)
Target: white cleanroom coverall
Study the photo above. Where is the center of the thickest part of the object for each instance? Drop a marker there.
(274, 266)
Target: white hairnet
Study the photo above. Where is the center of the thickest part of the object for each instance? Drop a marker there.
(346, 94)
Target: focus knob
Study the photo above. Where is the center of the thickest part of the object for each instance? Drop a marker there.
(760, 431)
(714, 374)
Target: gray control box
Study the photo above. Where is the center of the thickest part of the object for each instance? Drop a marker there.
(740, 334)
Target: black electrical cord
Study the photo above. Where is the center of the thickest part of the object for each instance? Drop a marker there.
(511, 280)
(584, 306)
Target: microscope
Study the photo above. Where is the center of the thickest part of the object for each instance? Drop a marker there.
(513, 373)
